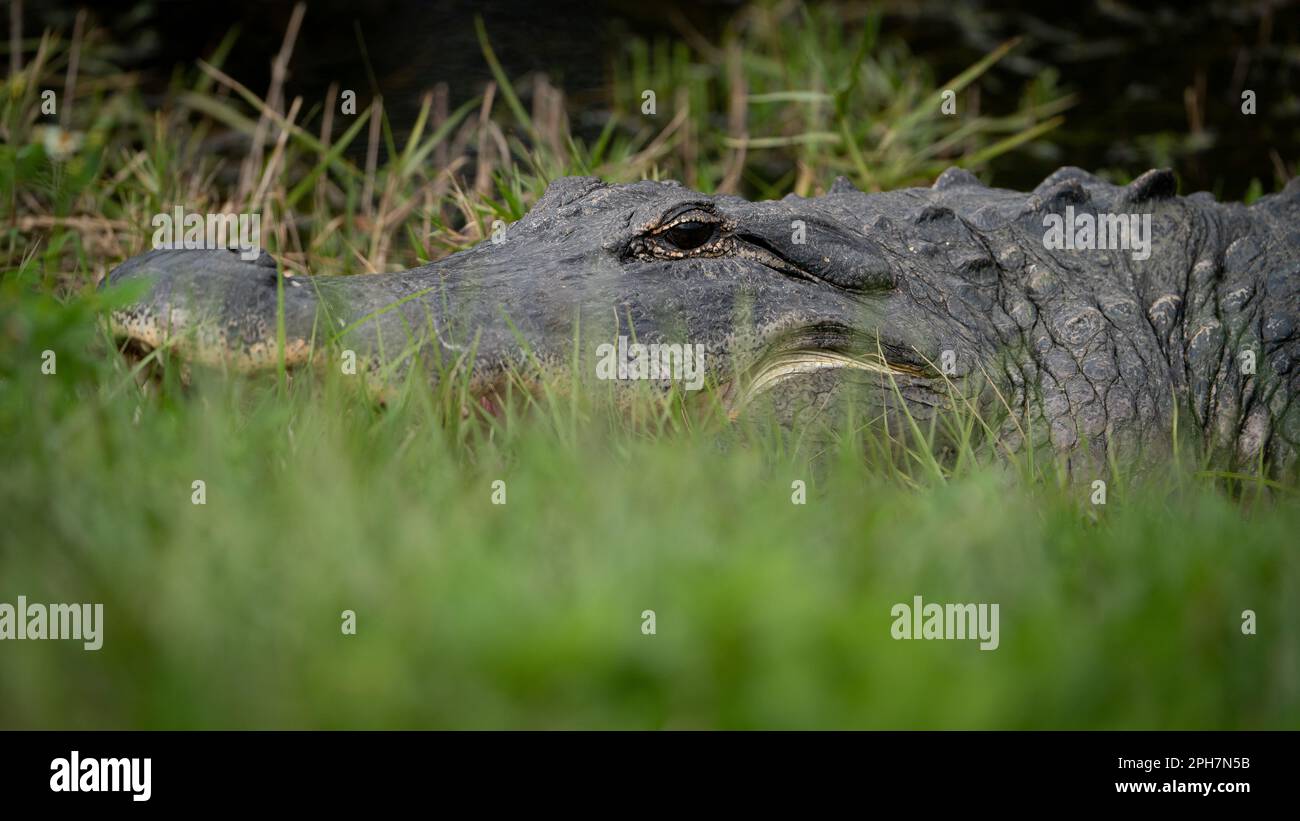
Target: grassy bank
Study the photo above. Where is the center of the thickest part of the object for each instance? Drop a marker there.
(530, 613)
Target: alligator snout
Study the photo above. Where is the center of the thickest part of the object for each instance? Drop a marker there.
(214, 307)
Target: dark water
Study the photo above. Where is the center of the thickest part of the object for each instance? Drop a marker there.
(1158, 83)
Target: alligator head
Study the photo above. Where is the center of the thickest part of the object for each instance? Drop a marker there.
(914, 292)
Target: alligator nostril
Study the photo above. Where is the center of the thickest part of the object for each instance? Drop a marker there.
(264, 258)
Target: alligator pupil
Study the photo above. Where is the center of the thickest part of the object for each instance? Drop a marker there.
(690, 235)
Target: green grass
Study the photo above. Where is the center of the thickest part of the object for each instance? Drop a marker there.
(470, 614)
(529, 614)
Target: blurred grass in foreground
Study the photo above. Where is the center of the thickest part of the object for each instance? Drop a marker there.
(528, 614)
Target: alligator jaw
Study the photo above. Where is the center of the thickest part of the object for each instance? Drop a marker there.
(774, 370)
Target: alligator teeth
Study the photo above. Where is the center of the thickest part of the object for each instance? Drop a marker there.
(794, 363)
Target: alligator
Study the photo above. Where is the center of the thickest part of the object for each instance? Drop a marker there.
(1186, 318)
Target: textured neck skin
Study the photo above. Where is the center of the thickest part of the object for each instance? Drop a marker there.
(1098, 348)
(1235, 306)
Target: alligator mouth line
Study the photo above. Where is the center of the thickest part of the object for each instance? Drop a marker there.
(799, 362)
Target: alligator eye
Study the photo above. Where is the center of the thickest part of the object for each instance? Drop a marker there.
(687, 236)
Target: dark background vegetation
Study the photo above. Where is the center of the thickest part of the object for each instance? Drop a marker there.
(1157, 84)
